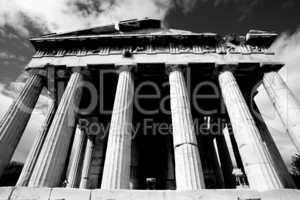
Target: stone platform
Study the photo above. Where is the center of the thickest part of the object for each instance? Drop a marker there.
(26, 193)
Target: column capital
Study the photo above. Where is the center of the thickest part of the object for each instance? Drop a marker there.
(175, 67)
(121, 68)
(82, 70)
(64, 73)
(91, 137)
(41, 72)
(221, 67)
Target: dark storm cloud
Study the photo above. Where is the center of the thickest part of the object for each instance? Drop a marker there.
(186, 6)
(91, 7)
(15, 53)
(227, 16)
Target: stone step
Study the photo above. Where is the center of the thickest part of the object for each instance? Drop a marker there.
(26, 193)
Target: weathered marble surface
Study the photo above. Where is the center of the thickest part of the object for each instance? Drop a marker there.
(73, 61)
(285, 103)
(87, 162)
(116, 172)
(148, 49)
(69, 194)
(49, 167)
(259, 169)
(75, 157)
(5, 192)
(188, 168)
(26, 193)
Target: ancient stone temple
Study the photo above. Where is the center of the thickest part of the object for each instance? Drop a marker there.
(144, 112)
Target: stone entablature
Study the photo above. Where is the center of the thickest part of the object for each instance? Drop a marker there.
(142, 59)
(145, 44)
(142, 38)
(171, 48)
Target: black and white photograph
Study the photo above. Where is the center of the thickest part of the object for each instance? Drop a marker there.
(149, 99)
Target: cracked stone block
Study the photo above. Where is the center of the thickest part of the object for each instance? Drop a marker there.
(5, 192)
(70, 194)
(26, 193)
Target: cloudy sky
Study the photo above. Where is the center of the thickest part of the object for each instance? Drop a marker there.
(20, 20)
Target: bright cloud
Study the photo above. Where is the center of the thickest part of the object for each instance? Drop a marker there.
(7, 95)
(61, 15)
(287, 49)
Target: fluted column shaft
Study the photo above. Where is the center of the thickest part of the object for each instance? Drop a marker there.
(75, 157)
(286, 104)
(235, 175)
(16, 118)
(228, 143)
(36, 148)
(226, 164)
(51, 162)
(87, 161)
(215, 163)
(275, 155)
(188, 169)
(258, 167)
(116, 172)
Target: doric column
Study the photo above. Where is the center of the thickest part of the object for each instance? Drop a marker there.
(237, 176)
(275, 155)
(87, 161)
(36, 148)
(97, 164)
(215, 164)
(218, 164)
(116, 172)
(227, 141)
(227, 158)
(287, 106)
(259, 170)
(188, 169)
(16, 118)
(50, 165)
(75, 157)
